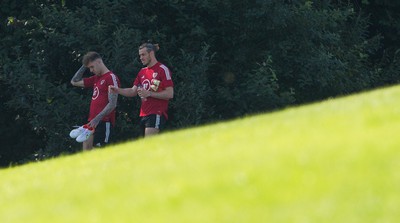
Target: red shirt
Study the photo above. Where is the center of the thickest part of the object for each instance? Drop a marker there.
(156, 79)
(100, 94)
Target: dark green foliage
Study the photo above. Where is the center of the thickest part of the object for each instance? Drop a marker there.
(228, 59)
(317, 51)
(384, 20)
(192, 90)
(14, 148)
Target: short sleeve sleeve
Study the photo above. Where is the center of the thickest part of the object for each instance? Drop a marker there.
(166, 78)
(89, 82)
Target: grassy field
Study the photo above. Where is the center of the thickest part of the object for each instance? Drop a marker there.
(333, 161)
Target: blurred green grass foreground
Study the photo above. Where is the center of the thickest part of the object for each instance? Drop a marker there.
(333, 161)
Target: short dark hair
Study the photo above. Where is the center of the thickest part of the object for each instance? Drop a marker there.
(90, 57)
(150, 47)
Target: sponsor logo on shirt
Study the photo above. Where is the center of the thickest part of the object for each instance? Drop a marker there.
(95, 93)
(146, 84)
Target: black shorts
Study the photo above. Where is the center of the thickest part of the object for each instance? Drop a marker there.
(153, 121)
(102, 134)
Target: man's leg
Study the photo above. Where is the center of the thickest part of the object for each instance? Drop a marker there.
(150, 131)
(102, 134)
(88, 144)
(153, 124)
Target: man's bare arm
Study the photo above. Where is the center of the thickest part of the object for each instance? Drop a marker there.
(77, 79)
(112, 104)
(127, 92)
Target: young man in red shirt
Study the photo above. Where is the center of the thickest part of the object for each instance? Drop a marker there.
(154, 85)
(103, 104)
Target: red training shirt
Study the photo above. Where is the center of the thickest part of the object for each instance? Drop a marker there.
(156, 79)
(100, 94)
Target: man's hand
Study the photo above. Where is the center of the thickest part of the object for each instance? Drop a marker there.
(143, 93)
(113, 89)
(94, 122)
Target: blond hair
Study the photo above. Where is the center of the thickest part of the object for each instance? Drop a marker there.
(90, 57)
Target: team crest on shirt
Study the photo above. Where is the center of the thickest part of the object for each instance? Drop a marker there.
(102, 82)
(155, 74)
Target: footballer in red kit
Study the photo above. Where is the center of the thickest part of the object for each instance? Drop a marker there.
(154, 86)
(155, 79)
(102, 107)
(100, 94)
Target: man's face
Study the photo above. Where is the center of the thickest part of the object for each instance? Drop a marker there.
(94, 67)
(144, 56)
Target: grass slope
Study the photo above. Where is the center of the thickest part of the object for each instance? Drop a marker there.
(334, 161)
